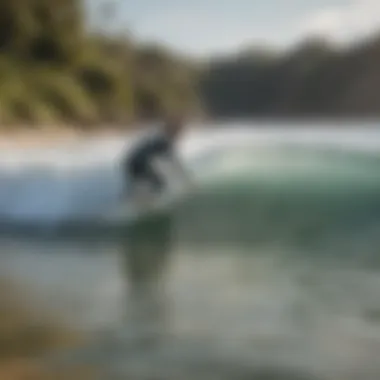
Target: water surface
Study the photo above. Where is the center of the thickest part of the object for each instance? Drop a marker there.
(274, 261)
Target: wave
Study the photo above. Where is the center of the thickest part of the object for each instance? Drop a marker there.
(255, 186)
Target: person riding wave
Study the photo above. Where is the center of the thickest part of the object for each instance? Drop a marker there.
(144, 165)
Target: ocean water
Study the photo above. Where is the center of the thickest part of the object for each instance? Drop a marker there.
(272, 269)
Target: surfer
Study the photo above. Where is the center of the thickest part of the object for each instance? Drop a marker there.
(148, 240)
(144, 165)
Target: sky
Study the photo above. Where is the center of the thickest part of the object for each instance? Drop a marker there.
(204, 27)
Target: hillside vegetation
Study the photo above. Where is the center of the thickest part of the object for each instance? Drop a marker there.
(53, 70)
(314, 79)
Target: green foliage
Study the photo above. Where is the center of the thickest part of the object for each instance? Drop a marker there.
(313, 79)
(64, 95)
(53, 70)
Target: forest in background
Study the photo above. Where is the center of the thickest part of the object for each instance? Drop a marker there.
(314, 79)
(55, 70)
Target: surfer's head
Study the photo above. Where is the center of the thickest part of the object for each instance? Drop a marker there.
(174, 125)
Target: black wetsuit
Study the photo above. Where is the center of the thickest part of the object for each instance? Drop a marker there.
(139, 164)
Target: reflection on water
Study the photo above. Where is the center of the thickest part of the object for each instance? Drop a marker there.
(145, 258)
(223, 308)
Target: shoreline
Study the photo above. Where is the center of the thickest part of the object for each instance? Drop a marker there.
(44, 137)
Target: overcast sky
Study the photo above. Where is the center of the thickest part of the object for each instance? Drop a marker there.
(202, 27)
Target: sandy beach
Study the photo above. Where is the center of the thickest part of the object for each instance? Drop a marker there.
(44, 137)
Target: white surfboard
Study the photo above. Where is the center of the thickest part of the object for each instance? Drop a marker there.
(129, 212)
(132, 209)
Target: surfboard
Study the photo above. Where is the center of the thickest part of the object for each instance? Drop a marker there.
(132, 211)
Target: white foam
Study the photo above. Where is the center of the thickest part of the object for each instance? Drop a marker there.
(51, 185)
